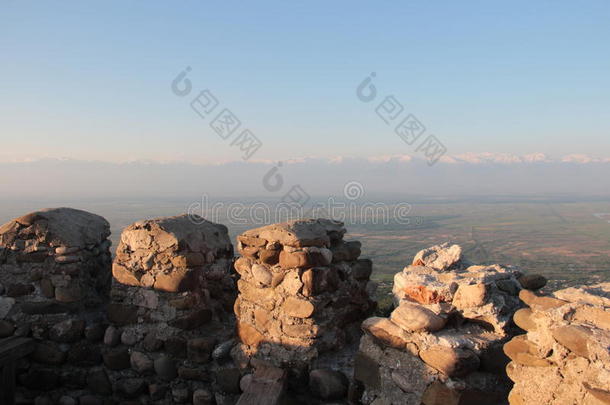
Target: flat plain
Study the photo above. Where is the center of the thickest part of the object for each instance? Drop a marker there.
(566, 240)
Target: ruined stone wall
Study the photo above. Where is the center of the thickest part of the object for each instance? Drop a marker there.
(54, 282)
(442, 344)
(564, 358)
(301, 287)
(171, 312)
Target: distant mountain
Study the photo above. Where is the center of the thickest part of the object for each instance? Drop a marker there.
(460, 175)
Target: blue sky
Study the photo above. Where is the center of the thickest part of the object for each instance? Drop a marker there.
(92, 81)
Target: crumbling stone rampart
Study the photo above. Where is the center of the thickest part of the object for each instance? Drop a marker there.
(564, 357)
(54, 282)
(301, 286)
(442, 344)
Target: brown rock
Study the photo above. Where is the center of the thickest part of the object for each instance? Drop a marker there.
(298, 308)
(413, 317)
(243, 265)
(252, 241)
(386, 332)
(188, 260)
(299, 259)
(178, 280)
(123, 275)
(601, 395)
(307, 278)
(423, 295)
(250, 251)
(277, 279)
(248, 334)
(450, 361)
(514, 398)
(575, 338)
(261, 274)
(262, 318)
(301, 330)
(269, 257)
(524, 352)
(523, 319)
(532, 281)
(263, 297)
(594, 316)
(438, 393)
(468, 296)
(540, 303)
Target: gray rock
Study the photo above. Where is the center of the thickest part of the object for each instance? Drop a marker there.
(328, 384)
(165, 368)
(245, 381)
(89, 400)
(112, 336)
(439, 257)
(141, 363)
(6, 329)
(129, 337)
(181, 393)
(223, 350)
(67, 331)
(6, 304)
(66, 400)
(202, 397)
(130, 387)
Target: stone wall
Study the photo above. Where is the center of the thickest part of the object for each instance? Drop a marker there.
(171, 313)
(54, 282)
(442, 344)
(301, 288)
(564, 358)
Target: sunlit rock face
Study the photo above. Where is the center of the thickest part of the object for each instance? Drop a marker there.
(442, 343)
(564, 357)
(301, 288)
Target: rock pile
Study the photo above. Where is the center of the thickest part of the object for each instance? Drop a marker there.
(565, 356)
(54, 282)
(171, 315)
(442, 344)
(301, 287)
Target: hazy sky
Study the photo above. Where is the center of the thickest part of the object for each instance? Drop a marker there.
(92, 81)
